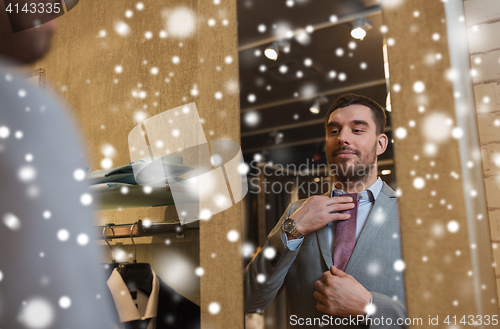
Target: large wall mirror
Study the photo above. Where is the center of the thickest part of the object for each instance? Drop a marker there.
(412, 58)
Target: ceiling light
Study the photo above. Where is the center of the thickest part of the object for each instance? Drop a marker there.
(272, 51)
(316, 106)
(360, 27)
(388, 105)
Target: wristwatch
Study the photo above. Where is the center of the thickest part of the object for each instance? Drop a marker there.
(289, 227)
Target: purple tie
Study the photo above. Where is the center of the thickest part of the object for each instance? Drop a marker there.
(345, 235)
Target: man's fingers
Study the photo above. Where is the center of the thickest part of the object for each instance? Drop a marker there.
(339, 207)
(339, 200)
(327, 201)
(326, 275)
(320, 297)
(335, 271)
(321, 307)
(320, 285)
(333, 216)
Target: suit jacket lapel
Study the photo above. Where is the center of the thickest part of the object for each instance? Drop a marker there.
(324, 244)
(384, 203)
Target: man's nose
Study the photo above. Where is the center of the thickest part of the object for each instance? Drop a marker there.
(343, 136)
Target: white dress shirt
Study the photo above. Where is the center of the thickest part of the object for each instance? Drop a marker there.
(142, 308)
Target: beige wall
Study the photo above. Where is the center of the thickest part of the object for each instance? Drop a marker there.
(483, 25)
(81, 69)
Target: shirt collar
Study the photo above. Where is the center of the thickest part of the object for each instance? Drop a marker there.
(374, 189)
(127, 311)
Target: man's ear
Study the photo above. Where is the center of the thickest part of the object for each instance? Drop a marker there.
(382, 143)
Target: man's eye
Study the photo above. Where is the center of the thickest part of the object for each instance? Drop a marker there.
(334, 131)
(358, 130)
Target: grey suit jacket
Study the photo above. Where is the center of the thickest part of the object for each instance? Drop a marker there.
(372, 264)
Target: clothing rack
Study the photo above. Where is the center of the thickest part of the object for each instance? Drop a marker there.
(138, 229)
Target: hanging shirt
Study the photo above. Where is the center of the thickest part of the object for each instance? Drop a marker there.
(163, 308)
(138, 312)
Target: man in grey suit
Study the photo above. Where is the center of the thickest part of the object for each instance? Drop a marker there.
(338, 272)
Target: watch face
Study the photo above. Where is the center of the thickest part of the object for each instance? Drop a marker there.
(288, 225)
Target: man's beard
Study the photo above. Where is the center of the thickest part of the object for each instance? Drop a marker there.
(354, 171)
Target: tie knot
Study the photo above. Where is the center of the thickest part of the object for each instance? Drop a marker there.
(339, 192)
(365, 197)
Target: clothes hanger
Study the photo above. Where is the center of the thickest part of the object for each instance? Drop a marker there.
(137, 275)
(109, 267)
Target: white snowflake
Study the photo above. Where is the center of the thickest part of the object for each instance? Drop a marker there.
(418, 87)
(180, 22)
(233, 236)
(63, 235)
(374, 269)
(86, 199)
(106, 163)
(11, 221)
(199, 271)
(82, 239)
(122, 28)
(401, 133)
(399, 265)
(379, 216)
(418, 183)
(37, 313)
(27, 173)
(214, 308)
(4, 132)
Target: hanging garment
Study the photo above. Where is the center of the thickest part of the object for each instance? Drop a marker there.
(163, 309)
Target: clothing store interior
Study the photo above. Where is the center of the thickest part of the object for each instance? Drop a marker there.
(142, 106)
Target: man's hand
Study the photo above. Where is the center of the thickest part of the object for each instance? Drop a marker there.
(340, 294)
(317, 211)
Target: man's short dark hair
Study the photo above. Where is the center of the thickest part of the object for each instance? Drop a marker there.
(352, 99)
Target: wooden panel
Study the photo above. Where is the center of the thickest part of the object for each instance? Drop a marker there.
(221, 258)
(157, 73)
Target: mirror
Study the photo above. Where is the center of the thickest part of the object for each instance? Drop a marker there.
(296, 59)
